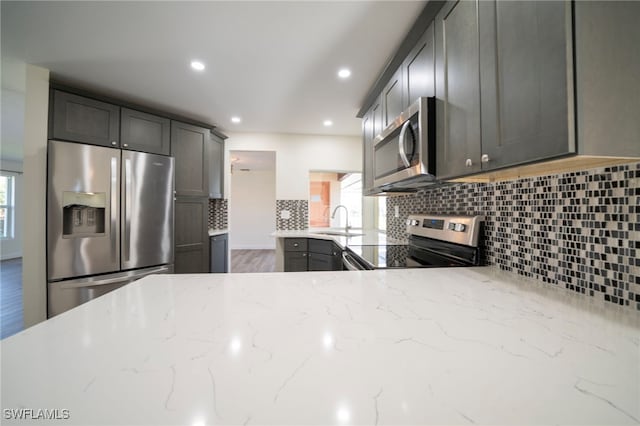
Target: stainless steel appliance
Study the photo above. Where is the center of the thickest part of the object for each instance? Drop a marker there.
(404, 153)
(434, 242)
(109, 220)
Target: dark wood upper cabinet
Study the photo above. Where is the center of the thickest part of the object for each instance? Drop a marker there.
(144, 132)
(392, 98)
(189, 146)
(80, 119)
(457, 90)
(525, 52)
(419, 69)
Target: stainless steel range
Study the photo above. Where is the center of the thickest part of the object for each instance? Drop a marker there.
(434, 242)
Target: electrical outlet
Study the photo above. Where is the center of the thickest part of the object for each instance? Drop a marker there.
(396, 209)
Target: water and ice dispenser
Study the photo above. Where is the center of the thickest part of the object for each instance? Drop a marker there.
(83, 214)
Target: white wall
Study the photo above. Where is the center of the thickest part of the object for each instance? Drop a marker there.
(34, 278)
(252, 210)
(296, 155)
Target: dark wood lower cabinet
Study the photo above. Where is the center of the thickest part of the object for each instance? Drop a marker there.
(295, 261)
(310, 254)
(219, 254)
(191, 235)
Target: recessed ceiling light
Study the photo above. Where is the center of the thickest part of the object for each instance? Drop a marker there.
(327, 123)
(344, 73)
(197, 65)
(236, 120)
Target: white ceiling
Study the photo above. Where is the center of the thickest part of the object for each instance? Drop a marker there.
(274, 64)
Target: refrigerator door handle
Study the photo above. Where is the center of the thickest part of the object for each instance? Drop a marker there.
(127, 209)
(98, 282)
(113, 210)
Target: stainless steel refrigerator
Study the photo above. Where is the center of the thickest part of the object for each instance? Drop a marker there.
(110, 220)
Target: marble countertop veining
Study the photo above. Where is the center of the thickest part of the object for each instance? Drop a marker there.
(407, 346)
(367, 237)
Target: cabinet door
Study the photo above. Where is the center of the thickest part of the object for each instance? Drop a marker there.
(191, 237)
(219, 246)
(295, 261)
(320, 262)
(524, 50)
(144, 132)
(457, 90)
(377, 117)
(216, 167)
(367, 153)
(392, 99)
(189, 147)
(419, 69)
(79, 119)
(336, 258)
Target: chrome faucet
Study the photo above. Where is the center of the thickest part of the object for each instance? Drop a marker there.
(333, 215)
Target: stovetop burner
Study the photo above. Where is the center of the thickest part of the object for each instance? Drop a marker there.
(434, 242)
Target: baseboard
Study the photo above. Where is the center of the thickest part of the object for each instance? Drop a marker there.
(8, 256)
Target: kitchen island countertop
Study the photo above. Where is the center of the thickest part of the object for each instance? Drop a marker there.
(407, 346)
(361, 237)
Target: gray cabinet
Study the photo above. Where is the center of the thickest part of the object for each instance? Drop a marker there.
(216, 167)
(191, 235)
(392, 98)
(219, 249)
(419, 69)
(457, 90)
(372, 125)
(310, 254)
(525, 52)
(189, 146)
(144, 132)
(295, 255)
(80, 119)
(504, 87)
(324, 255)
(608, 77)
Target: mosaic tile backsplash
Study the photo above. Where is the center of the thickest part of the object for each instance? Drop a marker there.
(579, 230)
(218, 214)
(298, 215)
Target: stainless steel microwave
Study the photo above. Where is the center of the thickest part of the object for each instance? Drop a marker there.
(404, 153)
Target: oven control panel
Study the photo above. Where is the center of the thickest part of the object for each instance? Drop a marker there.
(456, 229)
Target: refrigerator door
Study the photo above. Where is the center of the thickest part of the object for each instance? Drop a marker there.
(65, 295)
(83, 193)
(147, 210)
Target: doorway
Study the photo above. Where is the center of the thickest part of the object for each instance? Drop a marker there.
(252, 211)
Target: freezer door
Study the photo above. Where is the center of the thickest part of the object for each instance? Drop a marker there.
(147, 210)
(65, 295)
(83, 193)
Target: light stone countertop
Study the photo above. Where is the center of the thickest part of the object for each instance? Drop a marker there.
(368, 237)
(214, 232)
(405, 346)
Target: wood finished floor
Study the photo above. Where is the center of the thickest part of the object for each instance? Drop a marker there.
(10, 297)
(253, 261)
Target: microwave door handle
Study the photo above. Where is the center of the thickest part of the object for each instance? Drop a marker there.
(401, 150)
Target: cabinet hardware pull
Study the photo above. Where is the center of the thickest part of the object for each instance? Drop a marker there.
(114, 143)
(484, 158)
(468, 163)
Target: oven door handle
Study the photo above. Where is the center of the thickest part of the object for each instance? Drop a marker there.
(351, 266)
(401, 149)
